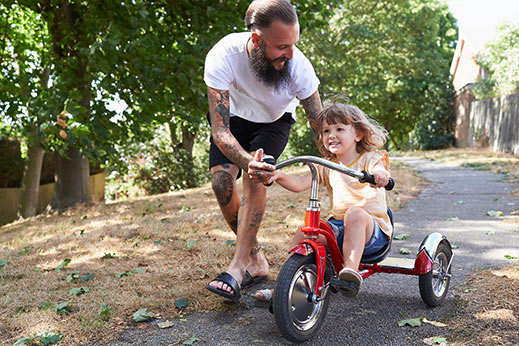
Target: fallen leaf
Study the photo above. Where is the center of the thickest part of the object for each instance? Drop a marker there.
(124, 273)
(455, 218)
(190, 341)
(48, 338)
(494, 213)
(86, 277)
(439, 340)
(434, 323)
(404, 251)
(62, 308)
(63, 264)
(165, 324)
(190, 243)
(413, 322)
(78, 291)
(402, 236)
(105, 310)
(73, 276)
(142, 315)
(181, 303)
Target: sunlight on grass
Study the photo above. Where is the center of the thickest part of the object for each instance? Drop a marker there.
(169, 245)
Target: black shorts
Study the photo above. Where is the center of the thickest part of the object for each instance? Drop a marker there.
(272, 137)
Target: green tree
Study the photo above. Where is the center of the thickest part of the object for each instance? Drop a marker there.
(145, 53)
(24, 79)
(500, 58)
(390, 58)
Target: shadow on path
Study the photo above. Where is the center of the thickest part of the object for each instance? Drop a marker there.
(455, 204)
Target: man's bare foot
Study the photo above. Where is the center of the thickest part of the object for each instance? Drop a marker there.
(258, 265)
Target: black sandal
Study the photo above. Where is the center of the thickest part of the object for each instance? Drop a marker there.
(230, 281)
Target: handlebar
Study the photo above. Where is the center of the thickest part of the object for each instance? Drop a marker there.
(362, 176)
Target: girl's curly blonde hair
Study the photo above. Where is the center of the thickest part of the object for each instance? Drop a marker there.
(374, 135)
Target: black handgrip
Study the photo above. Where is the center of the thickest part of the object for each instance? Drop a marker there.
(369, 178)
(271, 161)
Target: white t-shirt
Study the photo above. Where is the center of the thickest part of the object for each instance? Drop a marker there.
(227, 68)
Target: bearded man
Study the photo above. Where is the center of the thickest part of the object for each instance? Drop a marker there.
(255, 80)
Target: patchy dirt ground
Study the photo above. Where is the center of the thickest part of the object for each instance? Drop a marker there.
(146, 252)
(152, 252)
(487, 309)
(487, 305)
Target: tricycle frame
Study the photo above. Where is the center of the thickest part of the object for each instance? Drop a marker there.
(432, 263)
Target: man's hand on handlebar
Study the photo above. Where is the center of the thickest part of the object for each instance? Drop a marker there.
(260, 172)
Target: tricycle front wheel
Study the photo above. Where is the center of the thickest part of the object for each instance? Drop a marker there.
(434, 285)
(297, 315)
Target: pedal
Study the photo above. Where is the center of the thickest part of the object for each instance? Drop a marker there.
(346, 288)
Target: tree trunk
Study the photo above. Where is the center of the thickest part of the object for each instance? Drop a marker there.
(28, 204)
(188, 141)
(173, 135)
(72, 180)
(68, 35)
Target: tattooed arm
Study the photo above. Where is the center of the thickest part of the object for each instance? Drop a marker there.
(312, 106)
(220, 128)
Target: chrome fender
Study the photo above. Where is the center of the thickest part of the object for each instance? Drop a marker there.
(425, 258)
(431, 242)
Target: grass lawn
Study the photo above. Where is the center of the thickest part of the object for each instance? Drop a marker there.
(85, 272)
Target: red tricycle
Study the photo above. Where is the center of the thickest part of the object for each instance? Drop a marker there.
(302, 291)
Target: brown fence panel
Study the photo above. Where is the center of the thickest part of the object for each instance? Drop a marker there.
(9, 197)
(496, 122)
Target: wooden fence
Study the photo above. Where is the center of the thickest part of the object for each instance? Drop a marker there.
(9, 197)
(496, 121)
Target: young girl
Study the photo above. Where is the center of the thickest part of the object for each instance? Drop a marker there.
(358, 211)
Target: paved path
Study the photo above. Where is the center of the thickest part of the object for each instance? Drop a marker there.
(371, 318)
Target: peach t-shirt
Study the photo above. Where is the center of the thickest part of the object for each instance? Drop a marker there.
(346, 192)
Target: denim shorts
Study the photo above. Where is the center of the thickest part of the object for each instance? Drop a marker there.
(378, 239)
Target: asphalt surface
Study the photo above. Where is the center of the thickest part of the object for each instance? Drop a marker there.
(455, 204)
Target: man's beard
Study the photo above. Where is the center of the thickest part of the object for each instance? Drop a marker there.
(265, 71)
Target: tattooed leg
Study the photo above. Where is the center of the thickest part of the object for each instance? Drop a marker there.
(251, 208)
(248, 255)
(224, 187)
(255, 246)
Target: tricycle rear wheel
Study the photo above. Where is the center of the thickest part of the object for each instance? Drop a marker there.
(298, 317)
(434, 285)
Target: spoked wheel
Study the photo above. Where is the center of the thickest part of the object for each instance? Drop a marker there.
(297, 316)
(434, 285)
